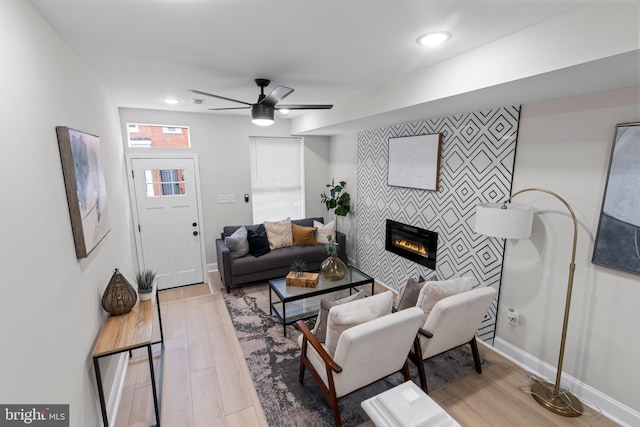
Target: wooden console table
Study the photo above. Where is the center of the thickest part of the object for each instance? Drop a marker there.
(126, 333)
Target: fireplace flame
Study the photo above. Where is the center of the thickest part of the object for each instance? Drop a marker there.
(412, 246)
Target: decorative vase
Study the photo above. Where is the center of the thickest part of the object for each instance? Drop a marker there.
(119, 297)
(333, 268)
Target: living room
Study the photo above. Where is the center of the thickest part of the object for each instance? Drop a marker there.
(563, 144)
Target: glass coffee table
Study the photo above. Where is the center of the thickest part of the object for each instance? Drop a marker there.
(297, 303)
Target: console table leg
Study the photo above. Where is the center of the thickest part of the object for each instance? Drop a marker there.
(103, 406)
(153, 385)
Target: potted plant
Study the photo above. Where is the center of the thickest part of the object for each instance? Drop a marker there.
(145, 280)
(337, 200)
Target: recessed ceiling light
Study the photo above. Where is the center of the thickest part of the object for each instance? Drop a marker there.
(433, 39)
(171, 101)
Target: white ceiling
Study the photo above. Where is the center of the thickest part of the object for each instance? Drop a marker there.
(147, 50)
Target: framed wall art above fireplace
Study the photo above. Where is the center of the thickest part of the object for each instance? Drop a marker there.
(414, 161)
(618, 239)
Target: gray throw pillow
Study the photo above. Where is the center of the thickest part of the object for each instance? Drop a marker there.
(409, 294)
(237, 243)
(320, 328)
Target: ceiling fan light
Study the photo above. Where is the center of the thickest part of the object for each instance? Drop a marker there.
(262, 115)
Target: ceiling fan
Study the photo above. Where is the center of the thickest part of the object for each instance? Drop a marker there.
(262, 112)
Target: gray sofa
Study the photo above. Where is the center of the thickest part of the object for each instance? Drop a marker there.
(277, 263)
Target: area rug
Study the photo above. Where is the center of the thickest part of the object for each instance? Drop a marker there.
(273, 361)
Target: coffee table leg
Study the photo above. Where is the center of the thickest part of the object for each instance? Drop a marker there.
(270, 302)
(284, 318)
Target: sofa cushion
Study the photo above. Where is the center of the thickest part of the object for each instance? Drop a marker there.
(409, 294)
(432, 292)
(237, 243)
(303, 236)
(279, 258)
(320, 327)
(279, 233)
(348, 315)
(258, 242)
(325, 230)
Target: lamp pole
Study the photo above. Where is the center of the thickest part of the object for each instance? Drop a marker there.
(561, 402)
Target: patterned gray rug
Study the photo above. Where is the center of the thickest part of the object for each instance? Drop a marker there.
(273, 361)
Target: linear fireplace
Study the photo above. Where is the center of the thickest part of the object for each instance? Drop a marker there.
(414, 243)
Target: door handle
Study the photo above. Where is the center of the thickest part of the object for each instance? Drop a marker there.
(195, 233)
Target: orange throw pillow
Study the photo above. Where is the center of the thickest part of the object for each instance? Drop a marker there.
(303, 236)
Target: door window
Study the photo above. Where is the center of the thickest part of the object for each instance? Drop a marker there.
(164, 182)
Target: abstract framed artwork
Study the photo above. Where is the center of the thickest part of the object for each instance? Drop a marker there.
(414, 161)
(85, 187)
(617, 243)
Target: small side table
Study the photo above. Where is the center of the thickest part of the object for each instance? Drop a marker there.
(126, 333)
(406, 405)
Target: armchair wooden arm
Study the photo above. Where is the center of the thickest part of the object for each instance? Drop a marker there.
(425, 333)
(311, 339)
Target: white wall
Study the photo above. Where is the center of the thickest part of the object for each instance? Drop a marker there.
(565, 146)
(50, 310)
(344, 167)
(222, 146)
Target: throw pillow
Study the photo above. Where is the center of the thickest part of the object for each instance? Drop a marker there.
(345, 316)
(325, 230)
(279, 233)
(432, 292)
(320, 328)
(258, 242)
(409, 294)
(303, 236)
(237, 243)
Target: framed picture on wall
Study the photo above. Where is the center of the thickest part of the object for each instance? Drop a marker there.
(85, 187)
(414, 161)
(618, 240)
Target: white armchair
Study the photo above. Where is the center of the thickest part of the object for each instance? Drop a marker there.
(364, 353)
(452, 322)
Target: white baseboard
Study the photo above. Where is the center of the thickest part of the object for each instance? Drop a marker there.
(611, 408)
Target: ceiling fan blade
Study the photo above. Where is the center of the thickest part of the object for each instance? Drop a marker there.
(276, 95)
(304, 107)
(218, 96)
(229, 108)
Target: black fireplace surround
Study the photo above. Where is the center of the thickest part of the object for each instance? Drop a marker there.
(414, 243)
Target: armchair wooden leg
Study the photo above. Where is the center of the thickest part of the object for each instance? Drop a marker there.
(476, 355)
(416, 358)
(405, 371)
(303, 356)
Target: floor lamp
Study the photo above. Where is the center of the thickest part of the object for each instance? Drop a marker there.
(511, 221)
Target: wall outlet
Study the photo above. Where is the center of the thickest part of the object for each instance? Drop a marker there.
(512, 317)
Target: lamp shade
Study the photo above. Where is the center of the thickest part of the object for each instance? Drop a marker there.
(262, 115)
(504, 220)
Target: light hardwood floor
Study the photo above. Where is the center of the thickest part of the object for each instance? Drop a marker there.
(206, 381)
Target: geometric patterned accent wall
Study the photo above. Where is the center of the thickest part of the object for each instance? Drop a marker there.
(476, 166)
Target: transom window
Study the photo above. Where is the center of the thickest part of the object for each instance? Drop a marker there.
(158, 136)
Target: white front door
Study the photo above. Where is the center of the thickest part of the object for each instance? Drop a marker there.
(167, 220)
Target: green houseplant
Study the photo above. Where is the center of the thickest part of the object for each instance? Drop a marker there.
(145, 280)
(337, 200)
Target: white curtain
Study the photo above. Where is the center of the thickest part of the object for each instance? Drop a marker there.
(277, 178)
